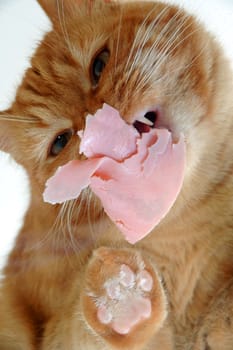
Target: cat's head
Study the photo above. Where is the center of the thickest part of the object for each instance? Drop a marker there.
(143, 58)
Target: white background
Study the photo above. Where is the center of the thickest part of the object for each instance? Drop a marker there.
(22, 25)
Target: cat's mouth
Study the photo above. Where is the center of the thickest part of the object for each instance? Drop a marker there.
(154, 119)
(146, 122)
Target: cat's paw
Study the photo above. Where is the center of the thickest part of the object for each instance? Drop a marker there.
(126, 300)
(123, 300)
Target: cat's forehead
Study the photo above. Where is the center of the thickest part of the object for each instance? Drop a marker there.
(86, 31)
(120, 26)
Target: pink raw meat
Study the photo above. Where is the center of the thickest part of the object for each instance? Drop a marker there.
(106, 134)
(137, 177)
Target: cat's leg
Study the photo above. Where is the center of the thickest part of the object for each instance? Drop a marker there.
(122, 300)
(216, 332)
(16, 330)
(117, 302)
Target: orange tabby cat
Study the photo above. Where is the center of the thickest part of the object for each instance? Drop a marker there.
(71, 281)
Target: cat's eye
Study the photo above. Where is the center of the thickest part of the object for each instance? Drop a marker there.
(60, 142)
(98, 65)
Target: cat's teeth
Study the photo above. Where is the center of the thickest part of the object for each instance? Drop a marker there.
(144, 120)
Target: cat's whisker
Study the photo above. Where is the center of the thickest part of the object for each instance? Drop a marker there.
(135, 42)
(89, 215)
(147, 34)
(82, 203)
(175, 47)
(51, 233)
(185, 68)
(139, 59)
(72, 208)
(69, 227)
(56, 237)
(166, 49)
(164, 55)
(118, 41)
(156, 61)
(70, 218)
(158, 40)
(137, 56)
(142, 59)
(62, 216)
(64, 230)
(66, 227)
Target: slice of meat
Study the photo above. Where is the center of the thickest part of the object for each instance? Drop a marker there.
(140, 191)
(137, 177)
(106, 134)
(70, 179)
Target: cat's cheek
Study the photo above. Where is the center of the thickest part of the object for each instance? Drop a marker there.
(123, 300)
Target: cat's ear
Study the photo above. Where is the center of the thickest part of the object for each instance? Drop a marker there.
(50, 8)
(56, 8)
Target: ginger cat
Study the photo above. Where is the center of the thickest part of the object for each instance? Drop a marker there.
(72, 281)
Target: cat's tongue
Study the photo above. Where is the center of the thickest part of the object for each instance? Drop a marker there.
(137, 177)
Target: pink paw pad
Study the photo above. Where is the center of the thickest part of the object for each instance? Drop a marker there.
(145, 281)
(127, 301)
